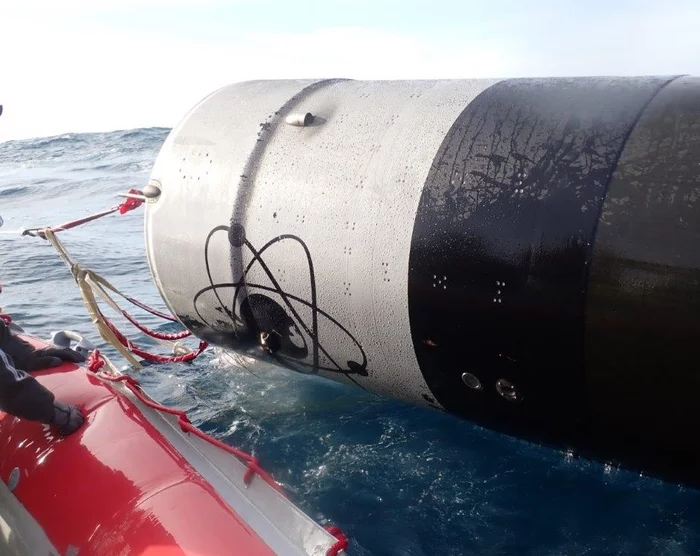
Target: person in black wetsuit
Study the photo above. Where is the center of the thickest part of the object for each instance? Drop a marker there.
(21, 394)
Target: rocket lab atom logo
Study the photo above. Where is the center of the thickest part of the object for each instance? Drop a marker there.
(290, 324)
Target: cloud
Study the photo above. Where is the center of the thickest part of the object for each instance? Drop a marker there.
(61, 78)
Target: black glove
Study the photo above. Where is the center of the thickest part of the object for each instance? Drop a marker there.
(27, 358)
(21, 394)
(48, 357)
(67, 418)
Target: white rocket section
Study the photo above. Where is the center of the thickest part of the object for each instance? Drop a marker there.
(347, 185)
(198, 170)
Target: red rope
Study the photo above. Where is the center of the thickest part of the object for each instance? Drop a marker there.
(128, 205)
(145, 307)
(95, 363)
(6, 318)
(340, 544)
(152, 356)
(153, 333)
(143, 354)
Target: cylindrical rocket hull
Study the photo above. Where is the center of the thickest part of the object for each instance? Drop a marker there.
(524, 253)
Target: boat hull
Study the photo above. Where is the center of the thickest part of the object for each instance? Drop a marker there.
(130, 482)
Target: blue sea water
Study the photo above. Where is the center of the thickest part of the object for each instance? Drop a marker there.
(398, 479)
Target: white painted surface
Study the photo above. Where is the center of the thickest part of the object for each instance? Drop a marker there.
(199, 169)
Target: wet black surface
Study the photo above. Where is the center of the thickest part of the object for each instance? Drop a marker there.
(643, 314)
(501, 248)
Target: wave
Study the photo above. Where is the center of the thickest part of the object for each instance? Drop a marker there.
(82, 147)
(14, 192)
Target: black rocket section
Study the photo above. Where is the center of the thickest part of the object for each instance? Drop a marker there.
(643, 314)
(502, 245)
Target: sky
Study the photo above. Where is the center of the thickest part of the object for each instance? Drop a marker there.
(100, 65)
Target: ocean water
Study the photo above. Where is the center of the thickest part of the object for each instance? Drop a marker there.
(398, 479)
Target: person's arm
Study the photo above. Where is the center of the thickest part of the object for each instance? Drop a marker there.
(21, 394)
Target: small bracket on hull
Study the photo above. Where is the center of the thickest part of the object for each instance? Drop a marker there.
(300, 120)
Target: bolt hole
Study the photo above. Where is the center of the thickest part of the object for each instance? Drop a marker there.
(471, 381)
(507, 390)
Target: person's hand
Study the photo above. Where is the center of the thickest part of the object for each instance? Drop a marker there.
(49, 357)
(67, 418)
(27, 358)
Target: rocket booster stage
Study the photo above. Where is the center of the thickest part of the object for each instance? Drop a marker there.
(523, 253)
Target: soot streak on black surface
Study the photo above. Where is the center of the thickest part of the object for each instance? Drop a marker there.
(501, 244)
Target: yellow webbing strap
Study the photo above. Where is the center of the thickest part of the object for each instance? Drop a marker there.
(99, 284)
(87, 280)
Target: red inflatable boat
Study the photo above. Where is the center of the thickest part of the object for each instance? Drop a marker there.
(138, 479)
